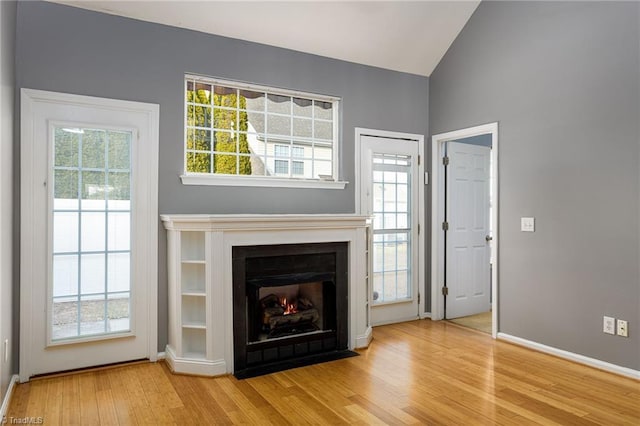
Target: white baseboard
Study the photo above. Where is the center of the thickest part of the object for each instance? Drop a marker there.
(396, 321)
(7, 397)
(425, 315)
(364, 340)
(198, 367)
(161, 356)
(581, 359)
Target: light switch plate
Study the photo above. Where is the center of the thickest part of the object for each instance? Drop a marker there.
(527, 224)
(609, 325)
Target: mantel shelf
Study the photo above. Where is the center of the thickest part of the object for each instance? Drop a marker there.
(206, 222)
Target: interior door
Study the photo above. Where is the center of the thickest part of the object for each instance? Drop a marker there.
(89, 234)
(389, 175)
(467, 269)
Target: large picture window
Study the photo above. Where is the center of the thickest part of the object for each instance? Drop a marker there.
(240, 130)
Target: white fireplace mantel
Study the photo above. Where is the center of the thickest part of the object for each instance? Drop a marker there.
(199, 253)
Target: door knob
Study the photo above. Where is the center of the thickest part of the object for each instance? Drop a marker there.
(488, 238)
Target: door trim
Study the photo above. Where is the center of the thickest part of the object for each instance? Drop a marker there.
(437, 217)
(31, 236)
(359, 132)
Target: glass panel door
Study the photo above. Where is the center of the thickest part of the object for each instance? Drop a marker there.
(389, 171)
(88, 232)
(91, 223)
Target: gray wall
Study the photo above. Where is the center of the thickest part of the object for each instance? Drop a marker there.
(563, 81)
(65, 49)
(7, 76)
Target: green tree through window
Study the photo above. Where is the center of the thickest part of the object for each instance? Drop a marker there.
(228, 126)
(104, 167)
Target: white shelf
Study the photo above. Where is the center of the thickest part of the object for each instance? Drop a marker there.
(187, 348)
(194, 325)
(194, 294)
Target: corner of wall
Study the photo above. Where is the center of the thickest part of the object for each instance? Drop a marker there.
(8, 13)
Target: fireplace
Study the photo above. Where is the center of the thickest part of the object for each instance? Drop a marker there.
(219, 264)
(290, 305)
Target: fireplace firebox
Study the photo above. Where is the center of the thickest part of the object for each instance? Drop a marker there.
(289, 305)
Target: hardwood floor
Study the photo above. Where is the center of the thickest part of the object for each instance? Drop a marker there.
(419, 372)
(480, 322)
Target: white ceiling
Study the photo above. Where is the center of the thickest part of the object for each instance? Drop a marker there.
(408, 36)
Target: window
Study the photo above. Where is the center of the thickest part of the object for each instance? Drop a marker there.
(91, 229)
(391, 227)
(256, 133)
(297, 151)
(281, 167)
(297, 168)
(281, 151)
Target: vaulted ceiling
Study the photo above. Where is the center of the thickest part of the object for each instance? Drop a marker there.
(407, 36)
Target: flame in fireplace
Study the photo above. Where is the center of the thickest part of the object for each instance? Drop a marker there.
(289, 308)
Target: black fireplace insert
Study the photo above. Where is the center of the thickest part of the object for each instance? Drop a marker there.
(290, 306)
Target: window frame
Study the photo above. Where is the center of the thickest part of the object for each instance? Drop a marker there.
(291, 181)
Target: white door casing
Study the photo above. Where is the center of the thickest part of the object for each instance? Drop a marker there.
(468, 249)
(396, 156)
(438, 143)
(42, 113)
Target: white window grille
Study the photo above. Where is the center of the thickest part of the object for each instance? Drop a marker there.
(248, 131)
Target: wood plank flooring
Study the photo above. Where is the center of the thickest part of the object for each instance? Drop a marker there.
(419, 372)
(480, 322)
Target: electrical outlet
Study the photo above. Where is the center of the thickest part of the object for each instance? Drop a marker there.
(623, 328)
(609, 325)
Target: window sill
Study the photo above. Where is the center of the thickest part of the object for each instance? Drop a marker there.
(207, 180)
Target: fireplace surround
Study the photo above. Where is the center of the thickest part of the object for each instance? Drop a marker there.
(200, 270)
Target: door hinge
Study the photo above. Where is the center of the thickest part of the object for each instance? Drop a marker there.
(445, 161)
(418, 229)
(445, 291)
(418, 160)
(445, 226)
(418, 298)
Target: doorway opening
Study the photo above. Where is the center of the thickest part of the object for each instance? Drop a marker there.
(465, 227)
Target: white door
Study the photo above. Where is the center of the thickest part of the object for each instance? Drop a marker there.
(89, 232)
(467, 238)
(389, 192)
